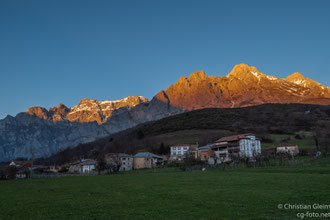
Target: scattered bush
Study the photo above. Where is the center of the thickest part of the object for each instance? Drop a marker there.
(63, 170)
(303, 152)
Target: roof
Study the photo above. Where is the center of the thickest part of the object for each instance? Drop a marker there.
(21, 164)
(88, 162)
(147, 155)
(123, 155)
(206, 147)
(235, 137)
(117, 155)
(287, 145)
(185, 145)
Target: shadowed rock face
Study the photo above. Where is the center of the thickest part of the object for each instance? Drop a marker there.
(25, 133)
(45, 132)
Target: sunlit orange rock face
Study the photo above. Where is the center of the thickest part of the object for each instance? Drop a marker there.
(243, 86)
(38, 111)
(92, 110)
(88, 110)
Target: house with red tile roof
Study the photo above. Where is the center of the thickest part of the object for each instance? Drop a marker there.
(241, 145)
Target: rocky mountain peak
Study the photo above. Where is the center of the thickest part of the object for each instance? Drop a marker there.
(38, 111)
(88, 110)
(243, 71)
(134, 100)
(199, 75)
(61, 108)
(161, 96)
(243, 86)
(86, 101)
(295, 77)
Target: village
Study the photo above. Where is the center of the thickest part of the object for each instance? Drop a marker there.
(240, 147)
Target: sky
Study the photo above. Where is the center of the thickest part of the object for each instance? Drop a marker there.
(62, 51)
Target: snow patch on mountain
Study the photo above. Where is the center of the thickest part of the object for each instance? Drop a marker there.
(271, 77)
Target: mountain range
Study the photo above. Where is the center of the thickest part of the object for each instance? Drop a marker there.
(45, 132)
(88, 110)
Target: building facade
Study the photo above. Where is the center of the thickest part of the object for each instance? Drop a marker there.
(179, 152)
(293, 150)
(87, 166)
(122, 162)
(205, 152)
(147, 160)
(242, 145)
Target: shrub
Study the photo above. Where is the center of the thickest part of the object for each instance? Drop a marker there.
(303, 152)
(63, 170)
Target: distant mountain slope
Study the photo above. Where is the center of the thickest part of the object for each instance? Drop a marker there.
(24, 134)
(45, 132)
(204, 126)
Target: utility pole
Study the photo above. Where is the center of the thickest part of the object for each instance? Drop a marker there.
(32, 160)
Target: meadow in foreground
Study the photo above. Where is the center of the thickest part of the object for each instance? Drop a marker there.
(250, 193)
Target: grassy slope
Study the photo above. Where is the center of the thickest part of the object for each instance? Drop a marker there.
(307, 143)
(252, 193)
(191, 136)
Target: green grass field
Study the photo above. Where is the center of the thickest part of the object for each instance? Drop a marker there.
(307, 143)
(251, 193)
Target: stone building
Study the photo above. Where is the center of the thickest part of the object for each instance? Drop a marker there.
(125, 161)
(147, 160)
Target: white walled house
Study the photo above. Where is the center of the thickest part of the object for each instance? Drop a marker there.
(179, 152)
(293, 150)
(250, 146)
(84, 166)
(87, 166)
(125, 161)
(242, 145)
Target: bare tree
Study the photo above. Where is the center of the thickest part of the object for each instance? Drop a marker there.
(322, 139)
(101, 164)
(113, 164)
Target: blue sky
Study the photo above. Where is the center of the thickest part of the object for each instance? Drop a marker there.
(67, 50)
